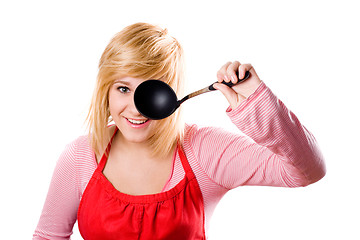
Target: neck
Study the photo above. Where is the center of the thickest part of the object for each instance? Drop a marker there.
(137, 150)
(120, 142)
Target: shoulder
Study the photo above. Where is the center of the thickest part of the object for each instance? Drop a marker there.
(211, 140)
(193, 131)
(81, 143)
(78, 151)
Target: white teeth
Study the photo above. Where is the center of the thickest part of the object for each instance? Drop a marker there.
(136, 121)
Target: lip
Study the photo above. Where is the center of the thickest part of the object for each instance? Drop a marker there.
(137, 126)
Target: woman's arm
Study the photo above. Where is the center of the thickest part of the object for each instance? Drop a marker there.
(276, 151)
(60, 209)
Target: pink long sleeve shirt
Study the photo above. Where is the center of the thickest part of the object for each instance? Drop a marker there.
(276, 150)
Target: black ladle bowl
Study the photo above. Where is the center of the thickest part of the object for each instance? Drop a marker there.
(156, 100)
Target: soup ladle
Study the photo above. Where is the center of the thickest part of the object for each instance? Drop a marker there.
(156, 100)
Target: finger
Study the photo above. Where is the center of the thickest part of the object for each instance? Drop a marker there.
(221, 74)
(232, 97)
(232, 71)
(229, 93)
(243, 68)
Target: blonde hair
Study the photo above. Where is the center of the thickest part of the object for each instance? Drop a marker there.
(142, 51)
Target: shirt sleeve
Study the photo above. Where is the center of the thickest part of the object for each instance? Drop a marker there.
(275, 149)
(60, 209)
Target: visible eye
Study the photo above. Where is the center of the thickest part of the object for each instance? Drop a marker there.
(123, 89)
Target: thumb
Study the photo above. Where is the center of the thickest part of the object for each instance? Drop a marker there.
(233, 98)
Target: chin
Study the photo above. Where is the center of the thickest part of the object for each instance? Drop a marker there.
(135, 139)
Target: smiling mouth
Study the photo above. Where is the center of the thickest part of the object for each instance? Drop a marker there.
(137, 122)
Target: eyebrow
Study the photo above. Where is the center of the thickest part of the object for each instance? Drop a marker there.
(122, 82)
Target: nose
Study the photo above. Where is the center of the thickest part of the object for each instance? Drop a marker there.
(132, 108)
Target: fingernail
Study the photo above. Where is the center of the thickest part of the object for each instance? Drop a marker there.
(233, 79)
(241, 75)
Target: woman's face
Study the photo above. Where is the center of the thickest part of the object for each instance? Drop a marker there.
(134, 127)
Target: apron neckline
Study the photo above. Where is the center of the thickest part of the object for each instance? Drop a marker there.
(146, 198)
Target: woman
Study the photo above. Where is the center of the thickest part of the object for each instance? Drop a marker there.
(162, 179)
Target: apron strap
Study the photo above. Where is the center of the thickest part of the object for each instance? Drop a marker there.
(106, 153)
(185, 163)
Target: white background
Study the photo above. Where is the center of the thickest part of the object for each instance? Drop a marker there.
(306, 52)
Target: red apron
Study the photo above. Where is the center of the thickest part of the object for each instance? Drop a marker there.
(105, 213)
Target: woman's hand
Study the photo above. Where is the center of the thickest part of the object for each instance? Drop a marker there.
(236, 94)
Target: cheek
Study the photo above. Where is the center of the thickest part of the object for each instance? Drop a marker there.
(115, 104)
